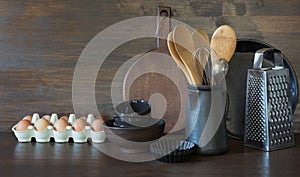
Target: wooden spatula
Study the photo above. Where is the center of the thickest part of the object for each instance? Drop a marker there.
(176, 57)
(201, 41)
(184, 46)
(203, 34)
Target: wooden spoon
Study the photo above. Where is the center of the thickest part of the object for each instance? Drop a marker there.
(176, 57)
(223, 42)
(203, 34)
(184, 46)
(201, 40)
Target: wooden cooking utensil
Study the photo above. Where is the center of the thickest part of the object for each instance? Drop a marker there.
(223, 42)
(176, 57)
(184, 46)
(155, 77)
(201, 41)
(203, 35)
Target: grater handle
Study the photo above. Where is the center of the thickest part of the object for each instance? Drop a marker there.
(268, 53)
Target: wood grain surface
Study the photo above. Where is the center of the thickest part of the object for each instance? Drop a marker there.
(85, 159)
(41, 41)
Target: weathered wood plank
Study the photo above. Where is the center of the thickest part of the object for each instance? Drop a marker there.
(40, 43)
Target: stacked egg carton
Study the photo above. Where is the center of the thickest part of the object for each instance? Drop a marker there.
(60, 136)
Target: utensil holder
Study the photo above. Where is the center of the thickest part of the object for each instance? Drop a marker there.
(205, 119)
(268, 112)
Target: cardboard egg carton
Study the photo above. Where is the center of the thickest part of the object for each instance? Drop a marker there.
(60, 136)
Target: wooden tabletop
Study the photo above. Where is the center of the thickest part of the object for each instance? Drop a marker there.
(71, 159)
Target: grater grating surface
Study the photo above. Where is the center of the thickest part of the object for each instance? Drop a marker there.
(256, 123)
(280, 119)
(268, 118)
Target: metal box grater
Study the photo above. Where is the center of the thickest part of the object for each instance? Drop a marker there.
(268, 113)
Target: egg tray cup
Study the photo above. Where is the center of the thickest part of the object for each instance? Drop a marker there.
(60, 136)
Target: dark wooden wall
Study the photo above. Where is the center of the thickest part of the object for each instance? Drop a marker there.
(41, 41)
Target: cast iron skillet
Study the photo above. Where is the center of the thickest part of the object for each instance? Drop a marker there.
(236, 83)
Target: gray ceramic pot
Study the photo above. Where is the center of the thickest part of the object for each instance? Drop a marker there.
(205, 119)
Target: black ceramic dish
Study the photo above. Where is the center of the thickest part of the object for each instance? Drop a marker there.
(172, 151)
(133, 113)
(135, 107)
(134, 121)
(236, 79)
(133, 139)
